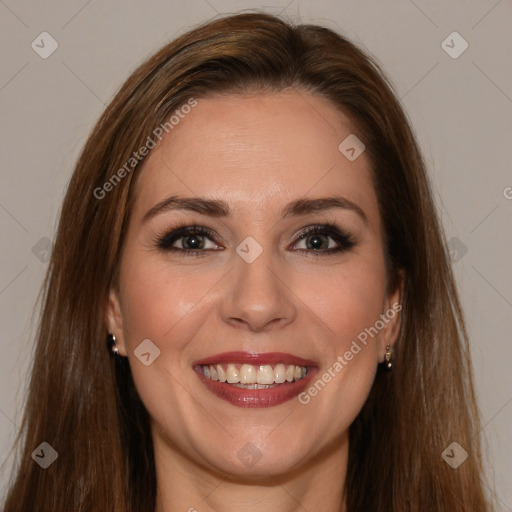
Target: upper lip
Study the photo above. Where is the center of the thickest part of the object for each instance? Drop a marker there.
(255, 359)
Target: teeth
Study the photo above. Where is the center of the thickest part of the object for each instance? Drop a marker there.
(254, 377)
(232, 374)
(255, 386)
(249, 375)
(279, 373)
(266, 375)
(221, 373)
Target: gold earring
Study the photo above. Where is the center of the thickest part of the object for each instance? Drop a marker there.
(388, 356)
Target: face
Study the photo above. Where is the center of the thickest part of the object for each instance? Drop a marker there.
(277, 275)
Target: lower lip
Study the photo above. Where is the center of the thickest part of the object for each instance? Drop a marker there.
(256, 397)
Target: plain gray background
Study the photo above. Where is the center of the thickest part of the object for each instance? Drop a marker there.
(461, 109)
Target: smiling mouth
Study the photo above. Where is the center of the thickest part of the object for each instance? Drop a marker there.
(247, 379)
(248, 376)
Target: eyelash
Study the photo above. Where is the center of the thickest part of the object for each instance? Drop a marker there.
(164, 240)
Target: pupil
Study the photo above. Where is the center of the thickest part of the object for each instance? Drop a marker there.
(316, 241)
(193, 241)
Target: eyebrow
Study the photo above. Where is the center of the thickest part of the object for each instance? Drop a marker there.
(217, 208)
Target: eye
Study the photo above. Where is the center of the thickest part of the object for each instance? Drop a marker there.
(187, 239)
(319, 239)
(198, 240)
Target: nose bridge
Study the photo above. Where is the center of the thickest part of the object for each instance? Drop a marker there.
(256, 296)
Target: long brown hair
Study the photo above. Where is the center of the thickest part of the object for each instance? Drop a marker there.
(83, 402)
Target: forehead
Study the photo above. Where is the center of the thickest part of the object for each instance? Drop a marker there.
(256, 152)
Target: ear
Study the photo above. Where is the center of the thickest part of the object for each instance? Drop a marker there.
(114, 320)
(391, 315)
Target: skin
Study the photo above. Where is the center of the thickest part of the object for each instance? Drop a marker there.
(257, 153)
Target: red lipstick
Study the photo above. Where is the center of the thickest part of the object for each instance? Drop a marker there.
(256, 359)
(253, 398)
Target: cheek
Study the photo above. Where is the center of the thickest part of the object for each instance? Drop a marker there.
(156, 301)
(162, 308)
(167, 308)
(344, 301)
(350, 357)
(346, 306)
(344, 396)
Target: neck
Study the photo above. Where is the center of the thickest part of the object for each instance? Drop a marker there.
(183, 485)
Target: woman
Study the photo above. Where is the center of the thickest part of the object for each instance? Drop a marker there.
(251, 229)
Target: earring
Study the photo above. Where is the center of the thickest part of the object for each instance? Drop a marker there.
(112, 344)
(388, 356)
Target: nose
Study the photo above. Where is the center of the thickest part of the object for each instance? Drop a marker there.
(257, 296)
